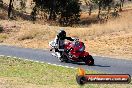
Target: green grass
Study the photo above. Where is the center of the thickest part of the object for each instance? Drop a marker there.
(21, 72)
(37, 73)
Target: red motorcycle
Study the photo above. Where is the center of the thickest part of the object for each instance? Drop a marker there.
(75, 52)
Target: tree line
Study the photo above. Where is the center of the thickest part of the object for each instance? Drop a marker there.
(67, 12)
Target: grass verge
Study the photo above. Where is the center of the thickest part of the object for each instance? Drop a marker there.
(18, 73)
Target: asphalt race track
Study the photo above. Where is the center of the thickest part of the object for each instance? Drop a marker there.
(102, 64)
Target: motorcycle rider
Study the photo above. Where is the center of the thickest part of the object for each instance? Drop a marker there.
(60, 41)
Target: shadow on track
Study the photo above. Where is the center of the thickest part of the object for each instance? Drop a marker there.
(82, 63)
(102, 66)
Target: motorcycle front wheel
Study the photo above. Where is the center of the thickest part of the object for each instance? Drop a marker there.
(89, 60)
(63, 58)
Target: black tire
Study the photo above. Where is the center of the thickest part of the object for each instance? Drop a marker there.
(63, 58)
(81, 80)
(89, 60)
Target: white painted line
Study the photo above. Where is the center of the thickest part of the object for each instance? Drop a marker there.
(63, 66)
(48, 63)
(2, 55)
(38, 61)
(9, 56)
(15, 57)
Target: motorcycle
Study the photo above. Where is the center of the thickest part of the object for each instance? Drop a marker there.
(74, 51)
